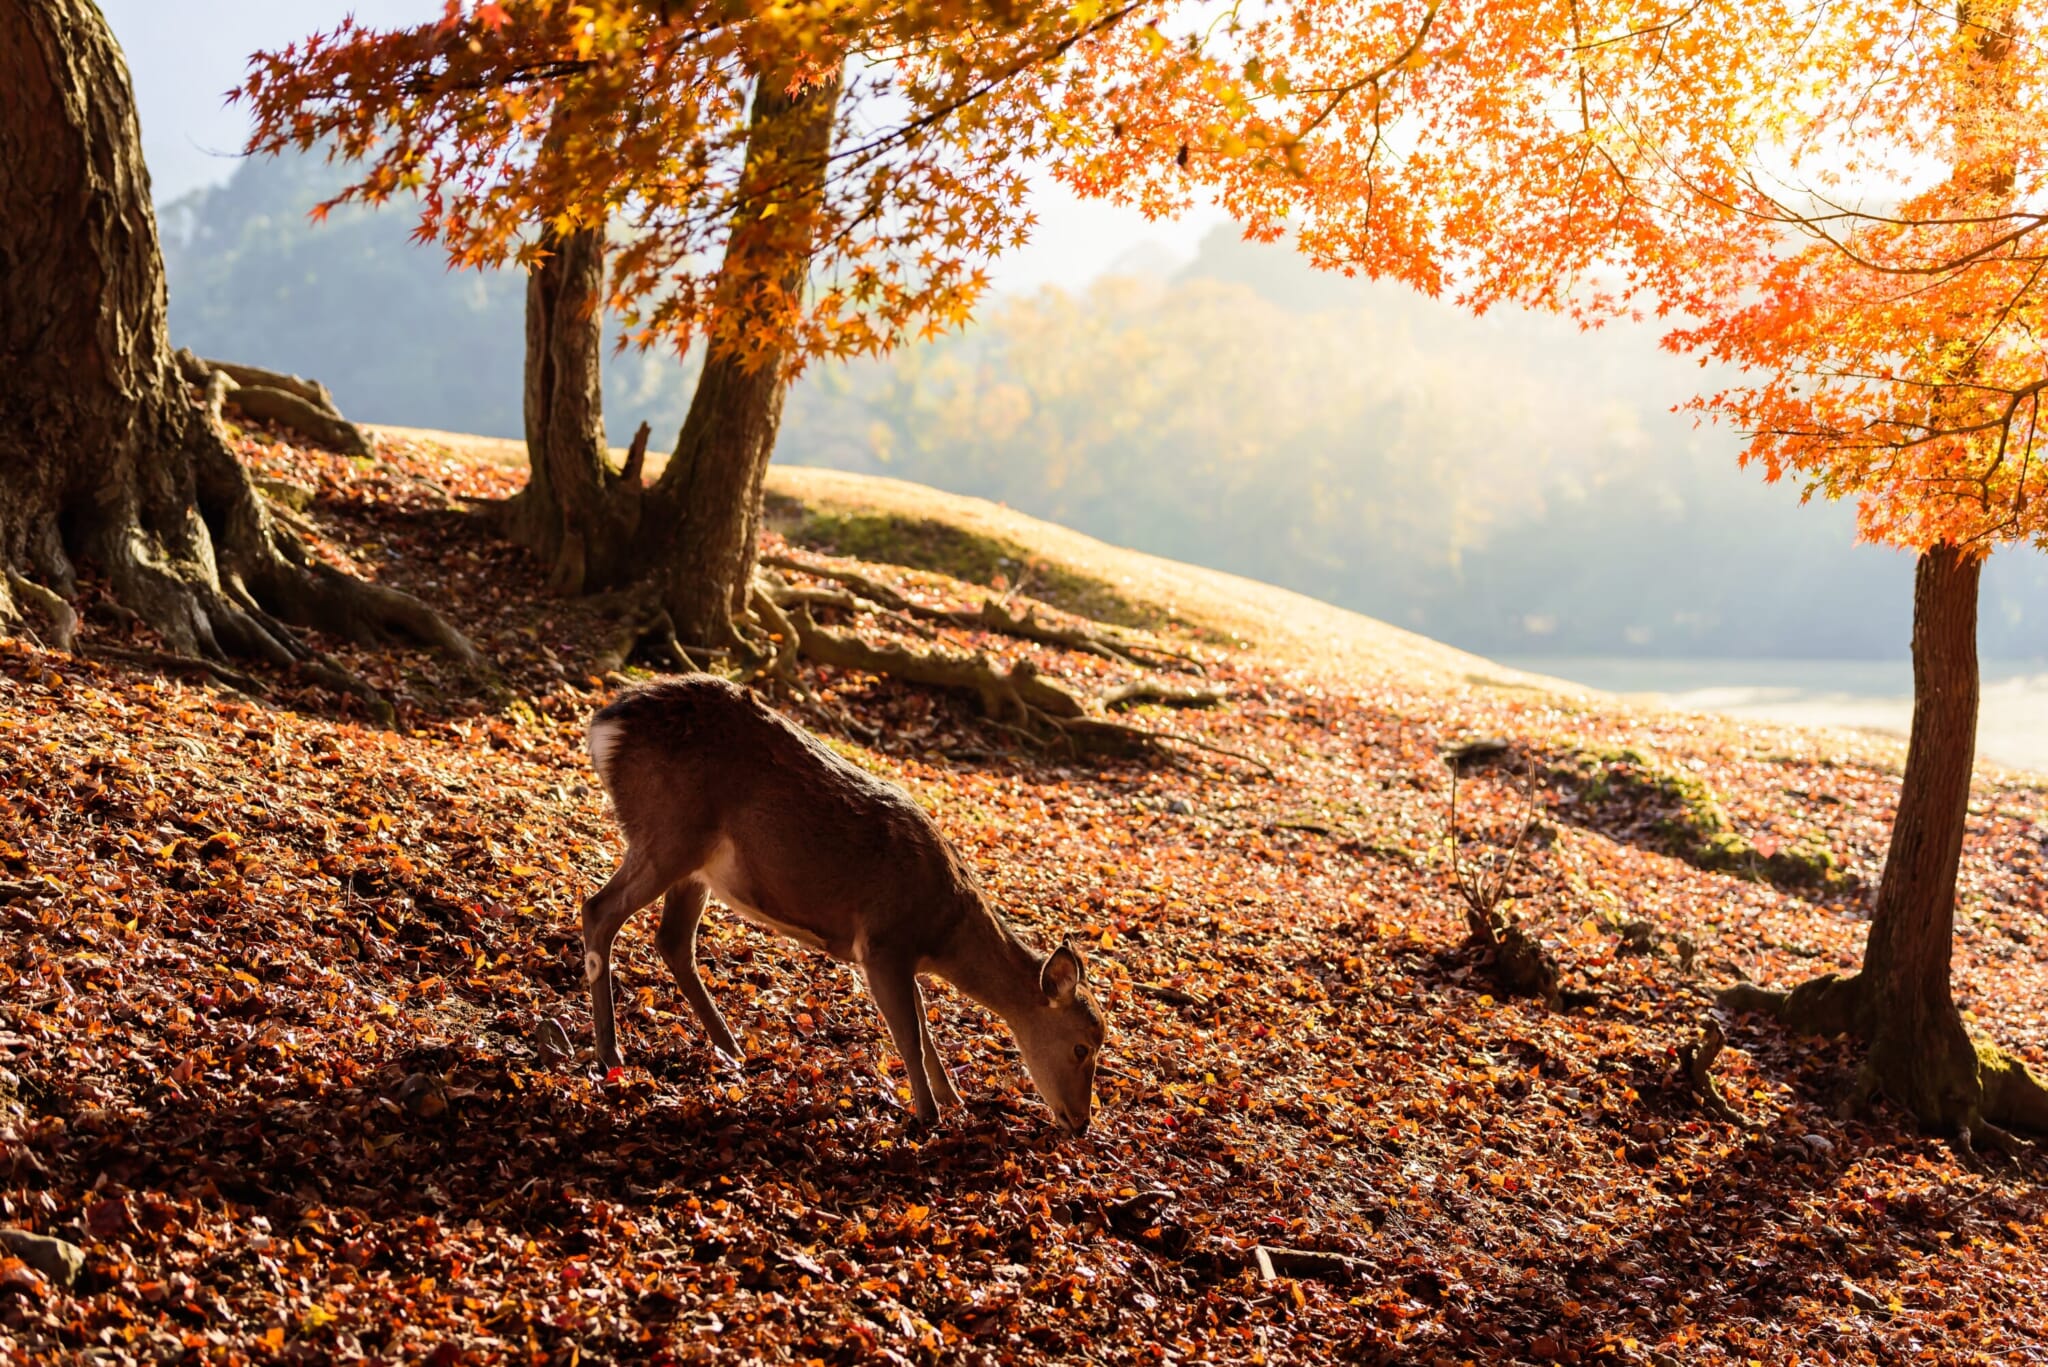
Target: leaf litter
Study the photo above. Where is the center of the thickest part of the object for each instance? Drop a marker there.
(283, 1001)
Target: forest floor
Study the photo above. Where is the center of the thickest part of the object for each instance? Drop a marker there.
(272, 985)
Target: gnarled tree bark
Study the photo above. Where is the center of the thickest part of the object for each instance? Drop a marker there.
(576, 513)
(104, 456)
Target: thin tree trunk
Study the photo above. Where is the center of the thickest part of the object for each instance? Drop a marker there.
(709, 497)
(1921, 1054)
(1919, 1050)
(711, 484)
(575, 513)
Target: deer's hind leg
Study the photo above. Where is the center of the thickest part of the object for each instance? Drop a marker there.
(934, 1066)
(636, 883)
(681, 913)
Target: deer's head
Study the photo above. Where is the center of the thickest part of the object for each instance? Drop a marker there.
(1061, 1038)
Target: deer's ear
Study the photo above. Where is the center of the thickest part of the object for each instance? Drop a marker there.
(1064, 972)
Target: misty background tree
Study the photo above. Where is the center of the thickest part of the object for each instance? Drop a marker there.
(1688, 166)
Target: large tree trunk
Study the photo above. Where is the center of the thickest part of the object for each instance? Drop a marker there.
(576, 513)
(103, 454)
(1921, 1054)
(710, 495)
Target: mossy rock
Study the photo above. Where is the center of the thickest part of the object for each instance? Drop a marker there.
(943, 548)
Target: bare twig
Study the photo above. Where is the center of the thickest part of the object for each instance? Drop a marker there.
(1696, 1058)
(1275, 1263)
(1521, 964)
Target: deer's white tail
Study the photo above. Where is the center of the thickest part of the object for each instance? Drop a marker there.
(605, 735)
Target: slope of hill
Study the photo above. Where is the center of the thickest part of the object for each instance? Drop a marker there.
(279, 996)
(872, 517)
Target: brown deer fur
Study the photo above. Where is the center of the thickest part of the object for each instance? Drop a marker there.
(720, 795)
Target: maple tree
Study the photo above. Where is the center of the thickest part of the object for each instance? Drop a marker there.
(694, 147)
(104, 456)
(1841, 204)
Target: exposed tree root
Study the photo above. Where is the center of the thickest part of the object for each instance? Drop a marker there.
(874, 590)
(783, 637)
(182, 664)
(779, 628)
(1015, 694)
(813, 596)
(994, 615)
(1518, 961)
(1165, 694)
(260, 562)
(1696, 1059)
(1520, 965)
(647, 624)
(61, 619)
(1982, 1097)
(1015, 697)
(312, 391)
(1117, 733)
(216, 575)
(1274, 1262)
(2012, 1095)
(305, 406)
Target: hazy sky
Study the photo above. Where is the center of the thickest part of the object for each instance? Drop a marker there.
(184, 56)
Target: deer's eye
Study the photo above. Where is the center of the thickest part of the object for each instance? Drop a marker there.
(1080, 1053)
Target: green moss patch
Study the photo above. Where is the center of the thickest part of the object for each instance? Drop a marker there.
(1684, 818)
(928, 544)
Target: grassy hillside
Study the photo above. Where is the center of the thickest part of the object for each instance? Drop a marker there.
(274, 986)
(872, 517)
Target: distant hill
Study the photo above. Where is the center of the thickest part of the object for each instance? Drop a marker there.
(1504, 484)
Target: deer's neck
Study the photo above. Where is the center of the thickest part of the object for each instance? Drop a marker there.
(991, 965)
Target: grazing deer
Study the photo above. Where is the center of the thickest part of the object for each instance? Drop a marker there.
(718, 794)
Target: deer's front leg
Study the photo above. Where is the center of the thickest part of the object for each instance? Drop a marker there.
(934, 1066)
(677, 940)
(894, 988)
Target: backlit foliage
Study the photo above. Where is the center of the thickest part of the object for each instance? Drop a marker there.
(1843, 202)
(635, 114)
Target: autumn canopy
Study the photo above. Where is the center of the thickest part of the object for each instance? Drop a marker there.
(1840, 204)
(632, 113)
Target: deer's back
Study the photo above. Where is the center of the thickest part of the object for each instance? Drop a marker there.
(706, 776)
